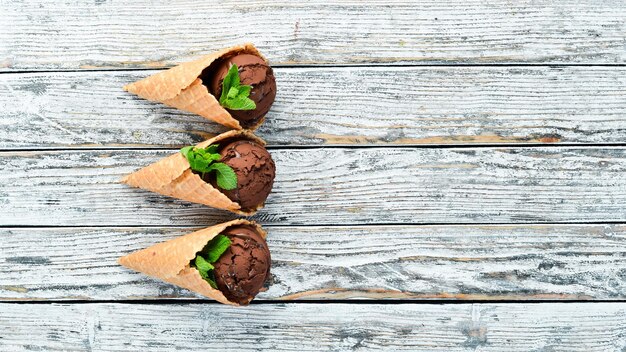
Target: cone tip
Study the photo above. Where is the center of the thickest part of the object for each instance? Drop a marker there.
(125, 179)
(130, 261)
(123, 261)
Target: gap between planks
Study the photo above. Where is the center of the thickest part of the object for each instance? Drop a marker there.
(322, 66)
(200, 301)
(333, 146)
(387, 224)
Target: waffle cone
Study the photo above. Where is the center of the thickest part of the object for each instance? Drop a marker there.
(180, 87)
(172, 176)
(169, 261)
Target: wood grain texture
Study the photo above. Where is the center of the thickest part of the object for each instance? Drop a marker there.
(349, 106)
(333, 186)
(101, 34)
(315, 327)
(525, 262)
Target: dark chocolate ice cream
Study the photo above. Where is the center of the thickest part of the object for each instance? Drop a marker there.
(255, 171)
(243, 268)
(253, 71)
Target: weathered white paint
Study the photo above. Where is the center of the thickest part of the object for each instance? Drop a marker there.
(374, 262)
(79, 34)
(314, 106)
(314, 327)
(332, 186)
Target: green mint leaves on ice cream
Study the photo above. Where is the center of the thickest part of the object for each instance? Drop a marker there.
(235, 96)
(209, 255)
(205, 160)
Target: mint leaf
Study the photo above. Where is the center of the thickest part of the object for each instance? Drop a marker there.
(212, 149)
(198, 162)
(204, 160)
(185, 151)
(234, 72)
(216, 247)
(210, 254)
(239, 103)
(211, 282)
(225, 176)
(203, 265)
(208, 276)
(245, 90)
(242, 103)
(206, 155)
(229, 81)
(234, 95)
(200, 159)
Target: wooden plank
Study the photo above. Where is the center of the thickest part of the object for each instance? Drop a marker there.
(315, 327)
(81, 34)
(350, 106)
(332, 186)
(523, 262)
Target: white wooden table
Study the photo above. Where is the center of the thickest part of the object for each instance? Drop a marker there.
(451, 175)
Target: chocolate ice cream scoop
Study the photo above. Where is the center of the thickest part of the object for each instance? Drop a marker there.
(253, 71)
(255, 171)
(243, 268)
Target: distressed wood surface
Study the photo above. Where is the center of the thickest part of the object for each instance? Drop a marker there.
(342, 220)
(80, 34)
(523, 262)
(314, 327)
(332, 186)
(318, 106)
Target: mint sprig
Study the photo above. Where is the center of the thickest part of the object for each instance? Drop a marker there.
(204, 160)
(209, 255)
(225, 176)
(235, 96)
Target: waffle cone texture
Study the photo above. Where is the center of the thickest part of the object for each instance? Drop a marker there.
(172, 176)
(180, 87)
(169, 261)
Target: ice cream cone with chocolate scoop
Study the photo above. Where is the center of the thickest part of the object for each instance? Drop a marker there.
(229, 262)
(232, 171)
(234, 87)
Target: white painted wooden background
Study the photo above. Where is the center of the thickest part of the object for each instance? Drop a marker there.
(451, 175)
